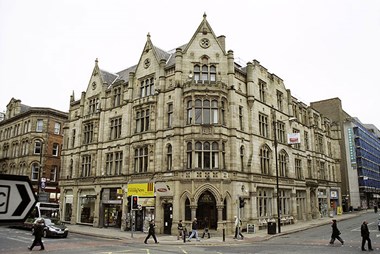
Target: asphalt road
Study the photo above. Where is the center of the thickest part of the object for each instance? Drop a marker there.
(314, 240)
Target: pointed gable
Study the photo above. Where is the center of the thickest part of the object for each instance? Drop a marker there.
(208, 36)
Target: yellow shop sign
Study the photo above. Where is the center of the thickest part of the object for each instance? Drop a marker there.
(141, 189)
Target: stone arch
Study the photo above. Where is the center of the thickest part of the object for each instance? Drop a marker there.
(211, 188)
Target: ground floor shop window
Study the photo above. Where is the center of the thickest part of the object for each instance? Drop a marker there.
(264, 201)
(68, 206)
(301, 205)
(87, 209)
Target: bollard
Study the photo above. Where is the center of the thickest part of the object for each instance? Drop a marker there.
(224, 235)
(184, 235)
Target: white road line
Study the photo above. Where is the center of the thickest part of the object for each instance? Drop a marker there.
(20, 240)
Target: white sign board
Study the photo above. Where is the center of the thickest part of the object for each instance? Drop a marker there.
(294, 138)
(17, 198)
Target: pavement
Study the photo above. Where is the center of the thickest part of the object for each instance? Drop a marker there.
(259, 235)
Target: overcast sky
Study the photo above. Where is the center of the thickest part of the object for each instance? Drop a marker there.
(321, 49)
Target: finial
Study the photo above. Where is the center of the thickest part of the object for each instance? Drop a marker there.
(148, 35)
(204, 15)
(96, 60)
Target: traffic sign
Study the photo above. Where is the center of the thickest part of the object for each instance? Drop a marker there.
(17, 198)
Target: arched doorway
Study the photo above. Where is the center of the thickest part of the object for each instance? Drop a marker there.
(207, 208)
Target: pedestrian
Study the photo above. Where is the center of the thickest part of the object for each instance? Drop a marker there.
(335, 233)
(194, 230)
(205, 228)
(238, 228)
(151, 232)
(365, 236)
(180, 230)
(38, 229)
(378, 224)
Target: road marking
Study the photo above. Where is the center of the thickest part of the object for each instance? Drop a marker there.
(182, 250)
(18, 239)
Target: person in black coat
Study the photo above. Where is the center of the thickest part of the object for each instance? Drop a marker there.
(365, 236)
(335, 233)
(206, 228)
(38, 233)
(151, 232)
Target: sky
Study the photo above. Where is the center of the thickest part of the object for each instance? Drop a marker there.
(322, 49)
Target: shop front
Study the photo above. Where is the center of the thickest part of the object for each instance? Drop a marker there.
(334, 201)
(146, 206)
(111, 209)
(68, 206)
(86, 204)
(322, 202)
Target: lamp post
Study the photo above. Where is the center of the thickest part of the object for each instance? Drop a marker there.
(277, 186)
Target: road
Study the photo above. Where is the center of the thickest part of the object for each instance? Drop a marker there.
(314, 240)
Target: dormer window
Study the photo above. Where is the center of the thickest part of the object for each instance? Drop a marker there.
(147, 87)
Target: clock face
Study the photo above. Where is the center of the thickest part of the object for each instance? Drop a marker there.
(205, 43)
(147, 63)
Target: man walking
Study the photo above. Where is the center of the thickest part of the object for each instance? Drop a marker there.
(151, 232)
(238, 228)
(194, 230)
(365, 236)
(335, 233)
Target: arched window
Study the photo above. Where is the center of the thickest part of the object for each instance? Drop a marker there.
(264, 160)
(35, 171)
(187, 210)
(212, 73)
(169, 157)
(71, 169)
(189, 152)
(224, 213)
(242, 158)
(205, 111)
(189, 112)
(206, 155)
(197, 73)
(198, 111)
(204, 72)
(283, 165)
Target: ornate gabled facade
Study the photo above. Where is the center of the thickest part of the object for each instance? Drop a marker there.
(200, 128)
(30, 144)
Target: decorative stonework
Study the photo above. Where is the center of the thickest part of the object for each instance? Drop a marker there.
(205, 43)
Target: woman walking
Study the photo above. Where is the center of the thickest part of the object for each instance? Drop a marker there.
(38, 233)
(335, 233)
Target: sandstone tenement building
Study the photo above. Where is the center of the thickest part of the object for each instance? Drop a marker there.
(30, 144)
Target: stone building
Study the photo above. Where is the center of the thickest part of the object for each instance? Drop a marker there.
(199, 127)
(360, 157)
(30, 144)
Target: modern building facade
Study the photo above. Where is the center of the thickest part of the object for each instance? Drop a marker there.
(190, 131)
(360, 163)
(30, 144)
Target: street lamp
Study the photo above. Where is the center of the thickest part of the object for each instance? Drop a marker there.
(277, 186)
(276, 158)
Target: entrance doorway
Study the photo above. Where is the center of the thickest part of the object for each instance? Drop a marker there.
(168, 218)
(112, 216)
(207, 208)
